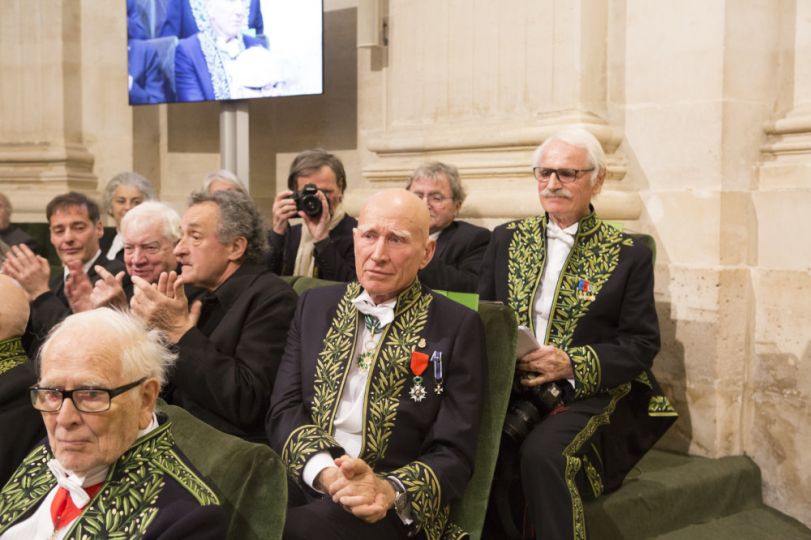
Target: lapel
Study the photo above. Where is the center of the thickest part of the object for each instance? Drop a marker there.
(389, 372)
(445, 239)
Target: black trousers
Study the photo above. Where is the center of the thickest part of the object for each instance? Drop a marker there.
(561, 464)
(310, 519)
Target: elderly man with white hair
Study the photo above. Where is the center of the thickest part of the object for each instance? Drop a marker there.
(16, 375)
(150, 231)
(589, 406)
(110, 467)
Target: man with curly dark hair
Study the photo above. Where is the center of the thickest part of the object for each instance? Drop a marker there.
(230, 322)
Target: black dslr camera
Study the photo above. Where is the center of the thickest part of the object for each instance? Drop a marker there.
(307, 201)
(533, 404)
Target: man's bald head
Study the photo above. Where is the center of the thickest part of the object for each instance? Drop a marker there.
(391, 243)
(398, 204)
(14, 308)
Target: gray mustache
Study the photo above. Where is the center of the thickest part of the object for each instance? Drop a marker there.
(562, 192)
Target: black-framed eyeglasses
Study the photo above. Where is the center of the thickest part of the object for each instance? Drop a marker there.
(87, 399)
(565, 176)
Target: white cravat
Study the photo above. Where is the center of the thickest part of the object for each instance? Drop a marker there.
(349, 416)
(384, 312)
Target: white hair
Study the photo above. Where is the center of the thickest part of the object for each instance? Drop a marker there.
(581, 138)
(143, 352)
(149, 213)
(226, 176)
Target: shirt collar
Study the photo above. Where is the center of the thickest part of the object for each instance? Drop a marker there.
(86, 266)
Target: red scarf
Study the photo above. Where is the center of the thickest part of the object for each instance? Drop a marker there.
(63, 511)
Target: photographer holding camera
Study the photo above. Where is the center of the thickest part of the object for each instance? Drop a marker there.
(586, 406)
(322, 247)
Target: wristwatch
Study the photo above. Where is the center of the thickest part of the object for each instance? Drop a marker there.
(400, 497)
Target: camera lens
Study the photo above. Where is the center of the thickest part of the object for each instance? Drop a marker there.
(307, 201)
(311, 205)
(520, 420)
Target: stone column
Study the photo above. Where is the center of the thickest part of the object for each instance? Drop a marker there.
(779, 393)
(480, 85)
(42, 152)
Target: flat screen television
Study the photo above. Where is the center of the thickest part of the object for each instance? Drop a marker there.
(206, 50)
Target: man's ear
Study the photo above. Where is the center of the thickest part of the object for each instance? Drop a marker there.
(598, 183)
(237, 248)
(99, 229)
(430, 248)
(149, 395)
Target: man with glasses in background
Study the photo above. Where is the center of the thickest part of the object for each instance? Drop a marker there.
(588, 406)
(110, 467)
(460, 246)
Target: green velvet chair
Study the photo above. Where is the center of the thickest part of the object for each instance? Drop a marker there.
(500, 332)
(250, 478)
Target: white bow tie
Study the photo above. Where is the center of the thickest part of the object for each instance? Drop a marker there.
(74, 484)
(553, 232)
(383, 312)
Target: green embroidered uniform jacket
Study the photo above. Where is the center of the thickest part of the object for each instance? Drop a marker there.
(603, 316)
(429, 445)
(21, 426)
(150, 492)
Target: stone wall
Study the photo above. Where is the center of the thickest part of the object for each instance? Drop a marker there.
(703, 106)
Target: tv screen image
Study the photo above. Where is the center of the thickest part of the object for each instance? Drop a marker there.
(204, 50)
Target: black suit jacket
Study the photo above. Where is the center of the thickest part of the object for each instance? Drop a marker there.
(227, 364)
(14, 235)
(52, 307)
(334, 256)
(21, 425)
(429, 445)
(604, 318)
(458, 258)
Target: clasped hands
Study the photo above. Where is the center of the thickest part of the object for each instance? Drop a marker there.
(545, 364)
(356, 487)
(164, 306)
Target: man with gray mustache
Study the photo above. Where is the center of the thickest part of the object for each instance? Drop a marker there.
(585, 406)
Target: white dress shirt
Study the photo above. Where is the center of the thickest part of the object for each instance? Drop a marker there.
(559, 244)
(86, 266)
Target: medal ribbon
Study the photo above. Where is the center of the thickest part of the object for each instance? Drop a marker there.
(419, 361)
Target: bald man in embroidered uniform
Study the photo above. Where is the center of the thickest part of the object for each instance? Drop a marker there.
(586, 291)
(377, 401)
(16, 375)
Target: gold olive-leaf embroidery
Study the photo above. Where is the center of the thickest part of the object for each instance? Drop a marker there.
(301, 444)
(390, 370)
(587, 370)
(660, 406)
(425, 496)
(330, 371)
(525, 259)
(12, 354)
(454, 532)
(594, 258)
(574, 463)
(593, 476)
(29, 484)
